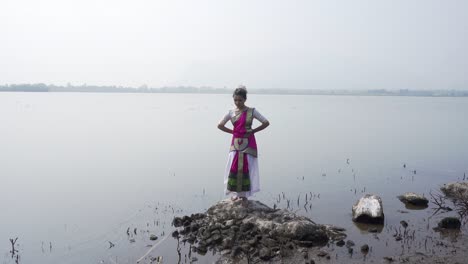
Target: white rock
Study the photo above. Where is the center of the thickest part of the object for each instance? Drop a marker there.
(413, 198)
(368, 209)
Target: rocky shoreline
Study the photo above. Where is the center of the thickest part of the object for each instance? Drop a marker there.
(251, 232)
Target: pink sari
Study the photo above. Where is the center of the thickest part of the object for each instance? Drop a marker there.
(243, 143)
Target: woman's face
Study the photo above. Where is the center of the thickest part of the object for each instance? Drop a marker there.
(239, 101)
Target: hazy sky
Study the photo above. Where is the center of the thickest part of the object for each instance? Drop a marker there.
(359, 44)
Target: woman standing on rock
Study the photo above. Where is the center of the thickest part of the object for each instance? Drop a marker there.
(241, 177)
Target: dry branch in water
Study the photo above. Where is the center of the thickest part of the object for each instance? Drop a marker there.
(460, 204)
(13, 250)
(438, 200)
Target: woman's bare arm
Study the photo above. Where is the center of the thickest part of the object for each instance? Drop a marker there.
(224, 128)
(261, 127)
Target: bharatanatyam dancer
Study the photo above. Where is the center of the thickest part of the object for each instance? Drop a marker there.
(241, 178)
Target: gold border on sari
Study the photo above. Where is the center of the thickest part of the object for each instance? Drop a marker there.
(240, 171)
(249, 119)
(250, 151)
(237, 115)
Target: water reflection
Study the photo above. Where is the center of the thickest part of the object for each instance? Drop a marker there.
(366, 228)
(415, 207)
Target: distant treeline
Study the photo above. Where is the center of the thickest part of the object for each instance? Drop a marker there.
(40, 87)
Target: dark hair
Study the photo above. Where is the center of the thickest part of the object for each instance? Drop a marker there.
(241, 91)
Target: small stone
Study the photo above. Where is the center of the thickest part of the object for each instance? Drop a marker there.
(226, 252)
(246, 227)
(235, 228)
(197, 216)
(153, 237)
(340, 243)
(414, 199)
(349, 243)
(236, 251)
(322, 253)
(186, 219)
(209, 241)
(241, 215)
(201, 230)
(215, 232)
(201, 250)
(365, 248)
(389, 259)
(245, 247)
(191, 239)
(265, 253)
(305, 243)
(227, 243)
(177, 221)
(450, 223)
(218, 226)
(132, 240)
(216, 238)
(404, 224)
(269, 242)
(252, 242)
(194, 259)
(194, 227)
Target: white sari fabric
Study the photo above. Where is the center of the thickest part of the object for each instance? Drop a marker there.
(253, 172)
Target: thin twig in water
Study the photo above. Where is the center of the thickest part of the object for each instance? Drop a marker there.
(151, 249)
(13, 250)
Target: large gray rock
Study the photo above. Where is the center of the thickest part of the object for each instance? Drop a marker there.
(280, 223)
(458, 190)
(252, 228)
(368, 209)
(414, 199)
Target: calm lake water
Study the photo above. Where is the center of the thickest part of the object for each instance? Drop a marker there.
(79, 170)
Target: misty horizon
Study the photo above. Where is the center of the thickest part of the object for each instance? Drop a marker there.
(263, 44)
(40, 87)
